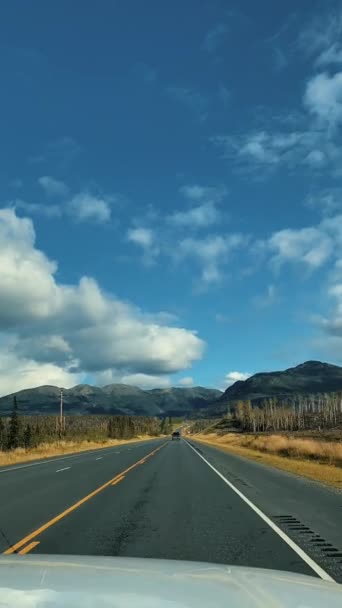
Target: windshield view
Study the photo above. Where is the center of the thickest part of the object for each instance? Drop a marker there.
(171, 303)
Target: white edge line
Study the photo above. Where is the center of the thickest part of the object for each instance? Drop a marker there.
(65, 469)
(315, 567)
(99, 458)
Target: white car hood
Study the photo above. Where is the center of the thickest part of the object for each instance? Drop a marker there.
(113, 582)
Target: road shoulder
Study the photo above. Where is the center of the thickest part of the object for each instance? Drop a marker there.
(328, 474)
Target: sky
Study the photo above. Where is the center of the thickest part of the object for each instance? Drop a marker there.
(170, 190)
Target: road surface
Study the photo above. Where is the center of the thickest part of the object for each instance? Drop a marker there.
(172, 499)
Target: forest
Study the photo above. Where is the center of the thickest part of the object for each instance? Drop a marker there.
(29, 431)
(297, 413)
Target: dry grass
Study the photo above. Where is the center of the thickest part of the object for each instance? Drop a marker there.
(60, 448)
(319, 460)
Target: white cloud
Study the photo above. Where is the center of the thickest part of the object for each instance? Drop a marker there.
(263, 148)
(144, 238)
(78, 327)
(197, 217)
(233, 377)
(327, 201)
(53, 187)
(47, 209)
(18, 373)
(323, 97)
(197, 193)
(186, 381)
(85, 207)
(331, 55)
(321, 38)
(315, 159)
(311, 246)
(146, 381)
(215, 37)
(141, 236)
(314, 149)
(205, 213)
(210, 252)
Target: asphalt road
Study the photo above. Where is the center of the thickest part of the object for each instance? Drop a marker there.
(172, 500)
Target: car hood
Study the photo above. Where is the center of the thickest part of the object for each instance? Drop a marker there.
(113, 582)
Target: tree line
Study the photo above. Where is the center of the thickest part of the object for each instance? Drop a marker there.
(29, 431)
(300, 412)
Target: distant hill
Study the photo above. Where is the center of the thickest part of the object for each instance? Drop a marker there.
(111, 399)
(309, 377)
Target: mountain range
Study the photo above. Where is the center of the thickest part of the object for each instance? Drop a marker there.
(111, 399)
(307, 378)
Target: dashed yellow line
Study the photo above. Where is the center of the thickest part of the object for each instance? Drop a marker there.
(54, 520)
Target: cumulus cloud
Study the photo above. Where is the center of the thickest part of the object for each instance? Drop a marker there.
(314, 145)
(143, 381)
(198, 193)
(145, 238)
(85, 207)
(311, 246)
(78, 327)
(323, 97)
(210, 253)
(18, 373)
(146, 381)
(53, 187)
(197, 217)
(233, 377)
(141, 236)
(205, 213)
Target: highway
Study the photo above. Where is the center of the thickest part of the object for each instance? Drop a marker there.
(172, 499)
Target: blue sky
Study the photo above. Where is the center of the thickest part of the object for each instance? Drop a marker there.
(170, 190)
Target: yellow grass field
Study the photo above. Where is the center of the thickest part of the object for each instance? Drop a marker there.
(319, 460)
(61, 448)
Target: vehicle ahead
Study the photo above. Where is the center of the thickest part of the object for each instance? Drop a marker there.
(115, 582)
(175, 435)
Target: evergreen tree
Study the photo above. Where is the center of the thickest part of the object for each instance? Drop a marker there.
(28, 436)
(14, 427)
(2, 435)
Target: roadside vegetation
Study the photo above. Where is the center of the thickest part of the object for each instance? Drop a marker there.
(300, 413)
(32, 437)
(303, 436)
(314, 459)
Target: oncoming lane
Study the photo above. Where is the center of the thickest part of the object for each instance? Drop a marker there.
(34, 495)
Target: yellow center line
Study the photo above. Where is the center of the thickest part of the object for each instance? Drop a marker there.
(29, 547)
(118, 480)
(77, 504)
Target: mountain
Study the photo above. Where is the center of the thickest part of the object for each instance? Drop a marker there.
(111, 399)
(309, 377)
